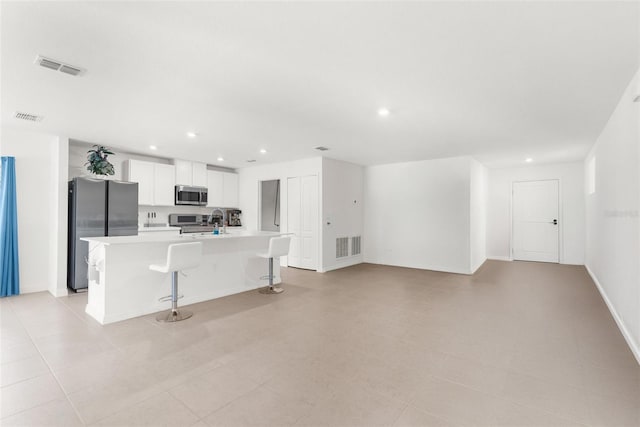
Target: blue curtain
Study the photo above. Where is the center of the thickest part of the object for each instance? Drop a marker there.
(9, 274)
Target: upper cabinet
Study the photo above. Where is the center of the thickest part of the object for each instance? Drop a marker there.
(223, 189)
(230, 191)
(156, 182)
(190, 173)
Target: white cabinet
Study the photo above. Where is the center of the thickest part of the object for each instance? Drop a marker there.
(190, 173)
(142, 173)
(164, 185)
(215, 184)
(230, 190)
(223, 189)
(156, 182)
(199, 174)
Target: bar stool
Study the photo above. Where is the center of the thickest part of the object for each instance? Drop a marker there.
(180, 256)
(278, 246)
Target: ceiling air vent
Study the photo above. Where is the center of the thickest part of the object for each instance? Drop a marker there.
(56, 65)
(321, 148)
(27, 116)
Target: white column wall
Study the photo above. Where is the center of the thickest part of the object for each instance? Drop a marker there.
(612, 218)
(342, 209)
(41, 175)
(477, 215)
(417, 214)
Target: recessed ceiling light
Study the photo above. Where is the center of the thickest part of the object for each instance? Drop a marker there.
(528, 160)
(263, 151)
(383, 112)
(192, 134)
(153, 147)
(220, 159)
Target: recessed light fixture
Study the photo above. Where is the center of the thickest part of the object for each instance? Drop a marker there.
(192, 134)
(528, 160)
(220, 159)
(383, 112)
(263, 151)
(153, 147)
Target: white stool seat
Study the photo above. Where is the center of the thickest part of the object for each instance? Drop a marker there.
(278, 246)
(180, 256)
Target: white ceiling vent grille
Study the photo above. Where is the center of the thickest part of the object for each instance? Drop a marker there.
(321, 148)
(27, 116)
(355, 245)
(56, 65)
(342, 247)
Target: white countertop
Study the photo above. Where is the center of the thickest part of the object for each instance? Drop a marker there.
(181, 238)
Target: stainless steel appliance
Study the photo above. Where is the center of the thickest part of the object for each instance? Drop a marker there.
(194, 196)
(233, 218)
(191, 223)
(217, 217)
(97, 207)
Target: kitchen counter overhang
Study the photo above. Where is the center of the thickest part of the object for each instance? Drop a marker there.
(121, 286)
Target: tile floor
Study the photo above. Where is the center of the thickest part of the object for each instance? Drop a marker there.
(521, 344)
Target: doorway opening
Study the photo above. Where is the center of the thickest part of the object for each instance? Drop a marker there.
(270, 205)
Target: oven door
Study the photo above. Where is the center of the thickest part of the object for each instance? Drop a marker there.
(187, 195)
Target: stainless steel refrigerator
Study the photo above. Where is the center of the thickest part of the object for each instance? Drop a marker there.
(97, 207)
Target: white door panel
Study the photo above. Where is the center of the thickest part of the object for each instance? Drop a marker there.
(535, 208)
(302, 221)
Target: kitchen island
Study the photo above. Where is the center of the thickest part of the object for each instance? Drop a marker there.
(121, 286)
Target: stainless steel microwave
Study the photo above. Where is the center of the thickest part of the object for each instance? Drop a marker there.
(194, 196)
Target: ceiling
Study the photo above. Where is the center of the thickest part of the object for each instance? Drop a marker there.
(501, 81)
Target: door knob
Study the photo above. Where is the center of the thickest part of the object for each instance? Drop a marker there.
(554, 222)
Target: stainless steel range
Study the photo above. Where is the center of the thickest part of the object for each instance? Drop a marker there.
(191, 223)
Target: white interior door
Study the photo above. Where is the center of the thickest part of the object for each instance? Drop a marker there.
(302, 221)
(535, 221)
(294, 209)
(309, 223)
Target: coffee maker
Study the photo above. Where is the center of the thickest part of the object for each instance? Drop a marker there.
(233, 218)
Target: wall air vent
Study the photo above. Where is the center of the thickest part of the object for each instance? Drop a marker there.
(355, 245)
(251, 160)
(321, 148)
(27, 116)
(342, 247)
(56, 65)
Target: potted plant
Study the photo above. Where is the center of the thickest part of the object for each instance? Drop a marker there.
(97, 161)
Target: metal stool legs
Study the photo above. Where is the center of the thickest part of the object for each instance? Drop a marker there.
(271, 289)
(173, 315)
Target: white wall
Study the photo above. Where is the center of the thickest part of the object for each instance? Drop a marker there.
(478, 214)
(41, 176)
(417, 214)
(342, 209)
(249, 198)
(613, 232)
(572, 223)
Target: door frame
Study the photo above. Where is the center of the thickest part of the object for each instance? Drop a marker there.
(560, 217)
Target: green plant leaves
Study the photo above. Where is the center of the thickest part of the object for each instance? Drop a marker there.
(97, 161)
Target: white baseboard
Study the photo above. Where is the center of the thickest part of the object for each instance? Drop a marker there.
(342, 264)
(635, 349)
(499, 258)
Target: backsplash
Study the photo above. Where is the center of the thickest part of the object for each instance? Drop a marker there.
(162, 213)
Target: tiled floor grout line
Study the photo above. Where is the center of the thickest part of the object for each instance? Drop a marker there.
(50, 371)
